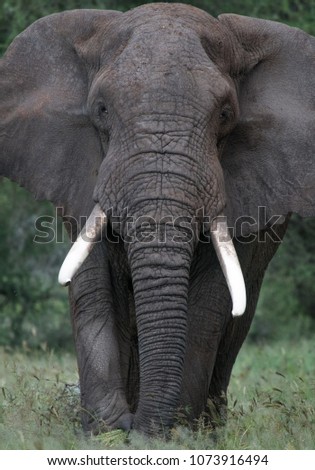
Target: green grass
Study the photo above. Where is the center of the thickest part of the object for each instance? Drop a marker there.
(271, 404)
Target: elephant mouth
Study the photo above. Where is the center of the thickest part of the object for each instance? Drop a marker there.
(221, 240)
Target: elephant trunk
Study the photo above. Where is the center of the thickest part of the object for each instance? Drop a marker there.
(160, 277)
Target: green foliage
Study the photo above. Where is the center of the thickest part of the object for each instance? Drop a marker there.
(32, 306)
(299, 13)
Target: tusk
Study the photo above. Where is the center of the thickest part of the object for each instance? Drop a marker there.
(230, 265)
(90, 234)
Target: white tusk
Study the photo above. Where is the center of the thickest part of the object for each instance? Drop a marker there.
(91, 233)
(230, 265)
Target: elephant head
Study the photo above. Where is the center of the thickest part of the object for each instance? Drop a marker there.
(169, 118)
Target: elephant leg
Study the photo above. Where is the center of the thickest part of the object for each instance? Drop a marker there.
(254, 258)
(125, 318)
(98, 346)
(229, 347)
(206, 321)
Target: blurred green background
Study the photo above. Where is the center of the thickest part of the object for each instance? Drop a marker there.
(33, 307)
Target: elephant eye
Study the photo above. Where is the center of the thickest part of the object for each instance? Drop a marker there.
(102, 110)
(226, 114)
(101, 116)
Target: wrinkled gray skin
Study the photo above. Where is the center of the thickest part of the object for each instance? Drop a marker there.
(162, 110)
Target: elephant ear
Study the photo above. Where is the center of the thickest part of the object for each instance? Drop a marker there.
(47, 141)
(269, 158)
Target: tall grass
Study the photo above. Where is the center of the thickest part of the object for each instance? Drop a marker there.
(271, 404)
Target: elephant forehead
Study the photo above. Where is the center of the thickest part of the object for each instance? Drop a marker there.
(156, 14)
(162, 66)
(167, 47)
(168, 55)
(180, 29)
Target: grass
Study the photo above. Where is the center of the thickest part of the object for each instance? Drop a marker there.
(271, 404)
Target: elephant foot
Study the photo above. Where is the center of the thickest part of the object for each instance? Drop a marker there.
(124, 422)
(216, 410)
(95, 426)
(151, 426)
(112, 412)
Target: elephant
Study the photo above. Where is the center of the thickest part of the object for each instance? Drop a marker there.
(176, 146)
